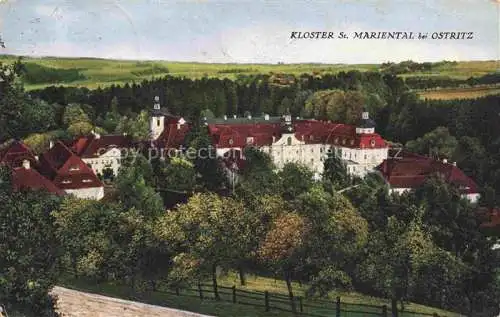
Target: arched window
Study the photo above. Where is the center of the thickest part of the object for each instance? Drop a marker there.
(289, 140)
(157, 122)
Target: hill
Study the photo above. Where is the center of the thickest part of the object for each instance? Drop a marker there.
(94, 72)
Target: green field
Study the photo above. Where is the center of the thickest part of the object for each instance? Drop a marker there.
(104, 72)
(189, 299)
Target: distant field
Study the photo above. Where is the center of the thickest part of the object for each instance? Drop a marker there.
(460, 93)
(103, 72)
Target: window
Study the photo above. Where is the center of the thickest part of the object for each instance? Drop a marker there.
(343, 141)
(372, 142)
(365, 156)
(87, 181)
(66, 181)
(352, 142)
(249, 140)
(312, 161)
(289, 141)
(157, 122)
(74, 168)
(231, 141)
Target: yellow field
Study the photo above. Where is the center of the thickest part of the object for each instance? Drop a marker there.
(460, 93)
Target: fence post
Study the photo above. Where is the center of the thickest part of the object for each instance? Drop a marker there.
(234, 294)
(200, 291)
(301, 304)
(394, 308)
(384, 311)
(266, 300)
(337, 308)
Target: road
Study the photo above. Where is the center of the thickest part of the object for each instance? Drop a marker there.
(73, 303)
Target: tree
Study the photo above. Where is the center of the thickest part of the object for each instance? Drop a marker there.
(74, 114)
(210, 174)
(12, 101)
(80, 128)
(335, 171)
(209, 230)
(38, 116)
(29, 249)
(295, 179)
(179, 175)
(137, 127)
(38, 142)
(335, 105)
(437, 142)
(134, 189)
(283, 245)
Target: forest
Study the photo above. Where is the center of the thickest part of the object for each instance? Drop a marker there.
(425, 246)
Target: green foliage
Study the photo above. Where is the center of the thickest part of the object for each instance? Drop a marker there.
(335, 105)
(295, 179)
(335, 172)
(12, 101)
(133, 184)
(74, 114)
(437, 142)
(37, 74)
(80, 129)
(178, 175)
(30, 251)
(137, 127)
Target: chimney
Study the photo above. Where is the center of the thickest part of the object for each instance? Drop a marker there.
(26, 164)
(51, 144)
(274, 139)
(445, 161)
(454, 163)
(249, 116)
(178, 126)
(266, 117)
(225, 117)
(234, 116)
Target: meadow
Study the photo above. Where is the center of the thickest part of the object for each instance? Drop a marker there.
(96, 72)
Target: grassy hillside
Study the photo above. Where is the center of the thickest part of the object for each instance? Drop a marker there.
(460, 93)
(189, 299)
(93, 72)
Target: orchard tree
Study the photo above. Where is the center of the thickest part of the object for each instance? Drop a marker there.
(210, 230)
(29, 248)
(283, 246)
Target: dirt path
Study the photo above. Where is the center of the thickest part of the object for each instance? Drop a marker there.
(73, 303)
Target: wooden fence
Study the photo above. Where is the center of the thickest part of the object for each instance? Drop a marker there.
(314, 307)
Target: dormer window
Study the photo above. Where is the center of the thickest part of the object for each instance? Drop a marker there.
(87, 181)
(231, 141)
(343, 141)
(74, 168)
(372, 142)
(352, 142)
(66, 181)
(250, 140)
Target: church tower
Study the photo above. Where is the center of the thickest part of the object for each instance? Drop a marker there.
(287, 124)
(157, 122)
(365, 125)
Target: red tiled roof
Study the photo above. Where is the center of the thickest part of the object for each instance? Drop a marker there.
(30, 178)
(173, 135)
(61, 165)
(309, 131)
(91, 146)
(411, 171)
(15, 153)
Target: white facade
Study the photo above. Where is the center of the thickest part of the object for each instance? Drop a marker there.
(156, 125)
(289, 149)
(473, 198)
(109, 159)
(95, 193)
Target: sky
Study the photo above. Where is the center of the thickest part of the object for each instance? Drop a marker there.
(240, 31)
